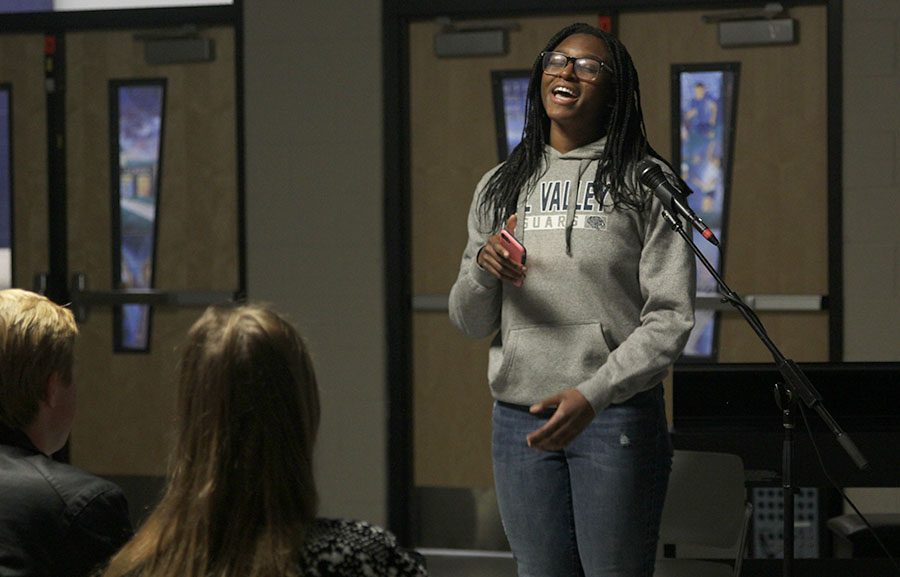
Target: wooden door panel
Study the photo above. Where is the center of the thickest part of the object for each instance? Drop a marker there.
(126, 402)
(22, 67)
(777, 235)
(453, 144)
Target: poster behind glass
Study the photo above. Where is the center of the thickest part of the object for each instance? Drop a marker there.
(138, 109)
(5, 188)
(510, 92)
(703, 133)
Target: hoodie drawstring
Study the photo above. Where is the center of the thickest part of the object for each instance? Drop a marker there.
(573, 195)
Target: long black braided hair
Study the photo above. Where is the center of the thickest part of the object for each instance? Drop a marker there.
(626, 141)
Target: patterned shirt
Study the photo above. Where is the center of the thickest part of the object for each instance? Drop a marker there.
(342, 548)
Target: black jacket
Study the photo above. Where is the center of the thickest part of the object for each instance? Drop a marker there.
(55, 519)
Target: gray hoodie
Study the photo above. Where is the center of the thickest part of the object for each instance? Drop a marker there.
(608, 314)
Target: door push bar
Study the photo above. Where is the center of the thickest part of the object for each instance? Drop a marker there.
(83, 299)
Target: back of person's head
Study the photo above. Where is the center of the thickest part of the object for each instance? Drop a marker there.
(241, 493)
(37, 340)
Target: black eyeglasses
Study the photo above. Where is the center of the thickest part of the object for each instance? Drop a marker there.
(586, 67)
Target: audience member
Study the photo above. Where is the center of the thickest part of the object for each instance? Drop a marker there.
(55, 520)
(241, 498)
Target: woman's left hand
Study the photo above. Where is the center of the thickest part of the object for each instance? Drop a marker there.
(573, 413)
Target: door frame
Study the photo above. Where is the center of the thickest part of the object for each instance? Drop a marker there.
(396, 18)
(55, 25)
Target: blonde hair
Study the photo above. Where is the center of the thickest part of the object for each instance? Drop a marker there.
(240, 496)
(37, 340)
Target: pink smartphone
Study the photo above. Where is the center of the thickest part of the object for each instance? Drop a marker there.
(517, 252)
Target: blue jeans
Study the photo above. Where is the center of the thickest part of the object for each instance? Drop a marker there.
(592, 509)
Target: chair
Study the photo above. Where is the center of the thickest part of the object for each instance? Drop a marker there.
(853, 539)
(706, 516)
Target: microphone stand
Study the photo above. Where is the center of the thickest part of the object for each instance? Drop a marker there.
(797, 386)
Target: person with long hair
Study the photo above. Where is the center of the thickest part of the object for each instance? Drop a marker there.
(587, 327)
(241, 499)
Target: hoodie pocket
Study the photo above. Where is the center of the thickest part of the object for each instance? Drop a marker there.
(547, 358)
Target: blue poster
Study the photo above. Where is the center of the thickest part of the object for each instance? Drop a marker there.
(140, 128)
(706, 106)
(515, 95)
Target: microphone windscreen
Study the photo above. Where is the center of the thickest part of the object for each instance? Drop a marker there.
(650, 174)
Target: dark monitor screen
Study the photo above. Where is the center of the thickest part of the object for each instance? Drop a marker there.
(860, 396)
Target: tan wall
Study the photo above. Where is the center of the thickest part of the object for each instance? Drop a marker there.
(872, 196)
(314, 221)
(871, 180)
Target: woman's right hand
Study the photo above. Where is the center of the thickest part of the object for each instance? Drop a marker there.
(495, 259)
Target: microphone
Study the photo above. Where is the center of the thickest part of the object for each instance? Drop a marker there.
(651, 176)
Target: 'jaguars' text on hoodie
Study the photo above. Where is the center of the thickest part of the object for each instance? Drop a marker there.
(607, 311)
